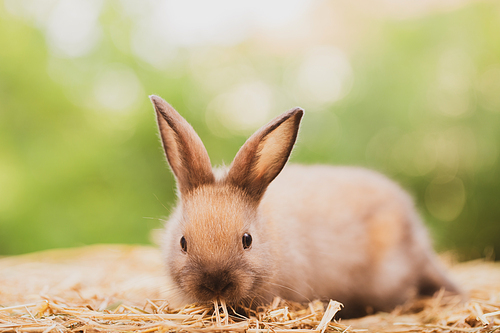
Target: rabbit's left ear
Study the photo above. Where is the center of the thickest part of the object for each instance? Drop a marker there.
(264, 154)
(185, 152)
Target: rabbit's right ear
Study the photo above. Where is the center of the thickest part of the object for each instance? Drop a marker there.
(264, 154)
(185, 152)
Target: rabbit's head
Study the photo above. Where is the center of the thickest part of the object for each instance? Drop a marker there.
(217, 244)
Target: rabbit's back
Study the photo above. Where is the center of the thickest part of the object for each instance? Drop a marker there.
(345, 233)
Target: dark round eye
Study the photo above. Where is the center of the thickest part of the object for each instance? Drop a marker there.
(184, 244)
(247, 240)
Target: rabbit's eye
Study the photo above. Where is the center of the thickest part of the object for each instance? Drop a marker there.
(184, 244)
(247, 241)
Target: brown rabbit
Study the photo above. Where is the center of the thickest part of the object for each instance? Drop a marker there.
(324, 232)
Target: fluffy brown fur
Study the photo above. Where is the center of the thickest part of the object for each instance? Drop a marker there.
(341, 233)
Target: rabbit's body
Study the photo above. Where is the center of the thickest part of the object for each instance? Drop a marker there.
(240, 235)
(361, 241)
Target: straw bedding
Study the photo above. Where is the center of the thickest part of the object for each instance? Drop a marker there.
(118, 288)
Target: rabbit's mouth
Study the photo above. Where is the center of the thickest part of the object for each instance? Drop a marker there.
(223, 285)
(217, 284)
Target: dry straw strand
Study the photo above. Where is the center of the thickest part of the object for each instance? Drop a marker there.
(107, 305)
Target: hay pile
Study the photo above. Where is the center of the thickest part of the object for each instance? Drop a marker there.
(119, 288)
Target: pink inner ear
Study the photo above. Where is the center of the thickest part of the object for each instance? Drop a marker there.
(264, 154)
(274, 149)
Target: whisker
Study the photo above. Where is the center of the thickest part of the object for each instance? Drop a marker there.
(290, 289)
(266, 278)
(161, 203)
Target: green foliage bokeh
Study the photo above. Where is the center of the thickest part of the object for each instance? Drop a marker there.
(74, 173)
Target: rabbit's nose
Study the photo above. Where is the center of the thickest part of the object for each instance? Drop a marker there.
(218, 288)
(218, 283)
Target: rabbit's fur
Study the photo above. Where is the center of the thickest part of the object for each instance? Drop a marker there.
(324, 232)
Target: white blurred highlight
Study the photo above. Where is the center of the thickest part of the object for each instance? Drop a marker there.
(72, 27)
(452, 95)
(241, 109)
(117, 89)
(197, 22)
(165, 26)
(324, 76)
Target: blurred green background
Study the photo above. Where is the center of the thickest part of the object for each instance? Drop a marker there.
(411, 89)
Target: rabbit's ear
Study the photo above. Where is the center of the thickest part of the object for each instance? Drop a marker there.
(264, 154)
(185, 152)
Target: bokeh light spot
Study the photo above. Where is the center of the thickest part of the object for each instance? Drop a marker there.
(415, 154)
(73, 29)
(451, 94)
(324, 76)
(117, 89)
(445, 197)
(242, 109)
(489, 88)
